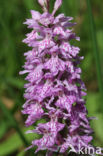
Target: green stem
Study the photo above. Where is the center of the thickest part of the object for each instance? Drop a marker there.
(95, 48)
(13, 122)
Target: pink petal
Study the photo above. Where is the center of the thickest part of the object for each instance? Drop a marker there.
(57, 5)
(35, 14)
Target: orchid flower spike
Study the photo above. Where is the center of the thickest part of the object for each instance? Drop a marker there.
(54, 90)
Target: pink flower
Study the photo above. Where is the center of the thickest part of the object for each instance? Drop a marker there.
(50, 132)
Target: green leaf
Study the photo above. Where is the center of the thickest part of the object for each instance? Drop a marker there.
(16, 82)
(95, 49)
(98, 127)
(13, 122)
(14, 142)
(22, 153)
(3, 128)
(31, 4)
(93, 103)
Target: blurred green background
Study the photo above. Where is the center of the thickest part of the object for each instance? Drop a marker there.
(12, 14)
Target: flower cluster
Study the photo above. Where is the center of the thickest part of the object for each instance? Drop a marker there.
(54, 90)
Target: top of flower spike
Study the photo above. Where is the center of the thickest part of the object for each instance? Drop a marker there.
(45, 5)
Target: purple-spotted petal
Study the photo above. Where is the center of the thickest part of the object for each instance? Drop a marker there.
(34, 112)
(65, 102)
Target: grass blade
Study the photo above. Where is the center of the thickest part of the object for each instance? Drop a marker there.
(13, 122)
(95, 48)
